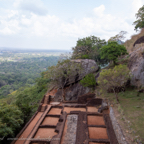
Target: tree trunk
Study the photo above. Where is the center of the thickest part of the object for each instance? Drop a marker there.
(116, 95)
(63, 98)
(114, 63)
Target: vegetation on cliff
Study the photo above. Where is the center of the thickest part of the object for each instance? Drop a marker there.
(11, 118)
(112, 51)
(88, 48)
(114, 79)
(19, 106)
(139, 23)
(22, 87)
(89, 81)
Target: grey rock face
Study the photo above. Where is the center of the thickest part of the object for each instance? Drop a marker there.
(88, 66)
(136, 66)
(72, 92)
(73, 89)
(104, 106)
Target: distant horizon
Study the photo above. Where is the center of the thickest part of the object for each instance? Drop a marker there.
(29, 49)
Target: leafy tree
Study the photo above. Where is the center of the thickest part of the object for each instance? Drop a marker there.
(114, 79)
(112, 51)
(89, 48)
(11, 119)
(2, 83)
(139, 23)
(89, 81)
(119, 37)
(30, 81)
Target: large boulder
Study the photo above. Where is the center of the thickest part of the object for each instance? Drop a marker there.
(73, 89)
(136, 66)
(88, 66)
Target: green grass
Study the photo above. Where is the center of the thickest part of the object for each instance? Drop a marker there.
(132, 106)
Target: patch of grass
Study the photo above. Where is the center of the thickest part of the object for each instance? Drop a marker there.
(132, 106)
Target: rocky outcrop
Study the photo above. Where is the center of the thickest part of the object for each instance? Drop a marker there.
(73, 89)
(88, 66)
(72, 92)
(136, 66)
(139, 41)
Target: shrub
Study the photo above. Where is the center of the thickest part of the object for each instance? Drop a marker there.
(88, 81)
(85, 56)
(112, 51)
(10, 119)
(114, 79)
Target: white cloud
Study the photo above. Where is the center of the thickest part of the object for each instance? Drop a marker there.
(104, 26)
(14, 23)
(8, 24)
(44, 26)
(99, 10)
(35, 6)
(6, 31)
(25, 21)
(50, 26)
(12, 13)
(136, 4)
(28, 20)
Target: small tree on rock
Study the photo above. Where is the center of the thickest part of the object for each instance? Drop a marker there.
(114, 78)
(62, 72)
(88, 48)
(112, 51)
(89, 81)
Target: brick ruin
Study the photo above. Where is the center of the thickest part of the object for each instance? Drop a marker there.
(67, 122)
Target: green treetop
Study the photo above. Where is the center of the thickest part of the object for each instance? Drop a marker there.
(10, 119)
(139, 23)
(114, 79)
(88, 48)
(112, 51)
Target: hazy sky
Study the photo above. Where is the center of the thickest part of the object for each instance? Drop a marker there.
(57, 24)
